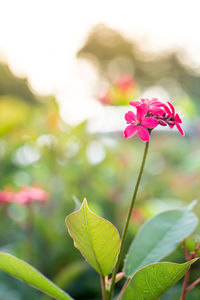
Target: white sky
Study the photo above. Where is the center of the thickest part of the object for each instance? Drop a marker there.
(39, 39)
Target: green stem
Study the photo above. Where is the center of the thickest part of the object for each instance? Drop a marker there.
(124, 234)
(103, 288)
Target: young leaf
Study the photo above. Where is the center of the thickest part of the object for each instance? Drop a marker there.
(152, 281)
(23, 271)
(96, 238)
(158, 237)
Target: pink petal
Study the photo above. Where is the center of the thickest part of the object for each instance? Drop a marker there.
(143, 133)
(130, 131)
(149, 122)
(162, 123)
(155, 102)
(172, 108)
(156, 110)
(141, 111)
(167, 110)
(130, 117)
(177, 119)
(135, 103)
(180, 129)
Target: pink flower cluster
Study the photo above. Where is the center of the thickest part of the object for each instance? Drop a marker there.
(150, 114)
(25, 195)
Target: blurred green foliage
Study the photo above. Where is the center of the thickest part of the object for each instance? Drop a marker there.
(37, 147)
(15, 86)
(113, 55)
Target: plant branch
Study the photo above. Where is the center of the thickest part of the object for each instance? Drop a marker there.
(187, 255)
(195, 253)
(185, 283)
(103, 288)
(124, 234)
(192, 285)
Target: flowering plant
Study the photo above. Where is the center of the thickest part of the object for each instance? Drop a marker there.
(98, 240)
(150, 114)
(120, 91)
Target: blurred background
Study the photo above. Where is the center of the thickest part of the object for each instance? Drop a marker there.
(67, 73)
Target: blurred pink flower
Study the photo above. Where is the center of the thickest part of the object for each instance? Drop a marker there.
(2, 197)
(120, 91)
(30, 194)
(24, 196)
(104, 99)
(139, 123)
(6, 196)
(126, 82)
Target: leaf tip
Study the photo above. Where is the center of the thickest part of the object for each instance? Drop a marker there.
(192, 205)
(84, 204)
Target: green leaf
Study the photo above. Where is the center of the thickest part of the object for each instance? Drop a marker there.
(96, 238)
(150, 282)
(23, 271)
(158, 237)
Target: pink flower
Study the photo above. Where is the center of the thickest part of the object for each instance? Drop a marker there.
(21, 197)
(24, 196)
(2, 197)
(139, 123)
(6, 196)
(173, 118)
(37, 194)
(154, 106)
(125, 82)
(151, 113)
(104, 99)
(30, 194)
